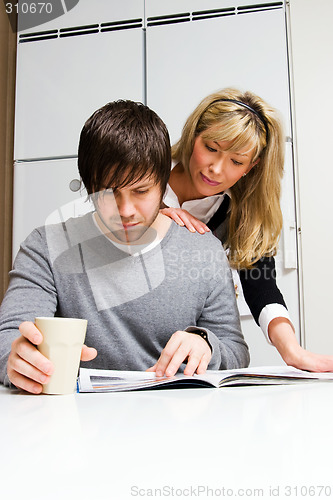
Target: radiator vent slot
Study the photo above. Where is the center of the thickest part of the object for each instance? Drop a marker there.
(81, 30)
(41, 35)
(127, 24)
(121, 25)
(212, 13)
(209, 14)
(246, 9)
(171, 19)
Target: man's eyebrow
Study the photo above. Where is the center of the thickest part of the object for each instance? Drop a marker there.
(132, 185)
(139, 185)
(145, 183)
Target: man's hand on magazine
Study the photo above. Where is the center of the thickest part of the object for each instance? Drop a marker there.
(27, 368)
(183, 346)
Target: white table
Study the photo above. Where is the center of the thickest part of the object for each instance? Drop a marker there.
(223, 443)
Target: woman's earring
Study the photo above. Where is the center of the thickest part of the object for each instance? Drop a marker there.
(244, 175)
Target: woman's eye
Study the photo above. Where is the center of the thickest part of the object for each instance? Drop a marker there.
(142, 191)
(212, 150)
(238, 163)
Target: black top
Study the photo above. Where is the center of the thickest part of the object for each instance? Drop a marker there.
(259, 283)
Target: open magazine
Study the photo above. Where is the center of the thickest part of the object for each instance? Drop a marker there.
(92, 380)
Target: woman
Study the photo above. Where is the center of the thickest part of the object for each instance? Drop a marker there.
(227, 178)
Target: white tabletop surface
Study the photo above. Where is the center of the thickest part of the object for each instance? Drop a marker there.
(251, 442)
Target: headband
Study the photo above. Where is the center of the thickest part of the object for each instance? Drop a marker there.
(240, 103)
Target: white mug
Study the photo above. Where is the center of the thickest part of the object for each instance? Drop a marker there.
(62, 343)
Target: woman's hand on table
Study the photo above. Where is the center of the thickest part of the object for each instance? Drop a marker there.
(282, 336)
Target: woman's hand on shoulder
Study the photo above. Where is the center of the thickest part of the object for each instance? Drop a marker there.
(184, 218)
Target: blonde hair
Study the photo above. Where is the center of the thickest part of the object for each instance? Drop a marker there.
(255, 215)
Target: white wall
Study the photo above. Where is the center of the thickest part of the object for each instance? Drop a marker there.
(312, 58)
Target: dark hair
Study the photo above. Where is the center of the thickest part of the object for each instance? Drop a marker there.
(122, 143)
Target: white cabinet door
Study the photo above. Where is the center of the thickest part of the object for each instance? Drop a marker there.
(43, 188)
(190, 56)
(70, 67)
(201, 47)
(66, 69)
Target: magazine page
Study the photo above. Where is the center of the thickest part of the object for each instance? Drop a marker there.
(269, 375)
(94, 380)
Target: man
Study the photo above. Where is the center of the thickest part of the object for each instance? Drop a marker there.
(155, 295)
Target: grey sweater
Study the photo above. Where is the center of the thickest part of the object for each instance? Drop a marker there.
(133, 303)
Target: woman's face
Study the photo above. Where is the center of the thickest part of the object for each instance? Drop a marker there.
(213, 169)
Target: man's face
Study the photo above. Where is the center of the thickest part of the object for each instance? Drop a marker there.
(128, 212)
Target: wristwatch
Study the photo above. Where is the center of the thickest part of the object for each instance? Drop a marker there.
(198, 331)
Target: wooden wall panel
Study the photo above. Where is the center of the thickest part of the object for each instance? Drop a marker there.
(7, 104)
